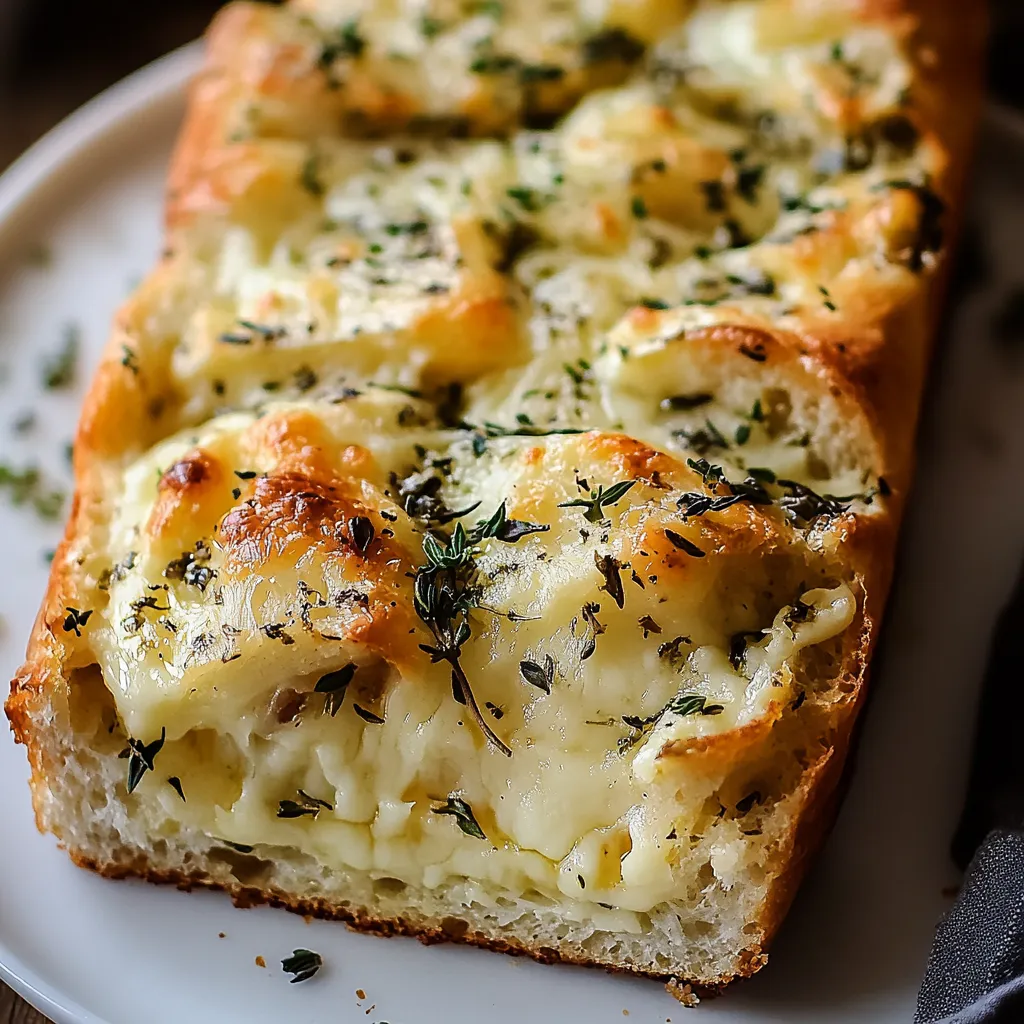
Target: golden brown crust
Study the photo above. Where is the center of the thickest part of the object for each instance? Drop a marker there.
(875, 356)
(449, 930)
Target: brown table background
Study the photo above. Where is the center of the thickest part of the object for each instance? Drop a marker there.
(56, 54)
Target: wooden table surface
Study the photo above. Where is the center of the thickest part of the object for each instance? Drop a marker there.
(50, 80)
(16, 1011)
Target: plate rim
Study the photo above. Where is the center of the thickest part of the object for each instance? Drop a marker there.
(89, 127)
(85, 128)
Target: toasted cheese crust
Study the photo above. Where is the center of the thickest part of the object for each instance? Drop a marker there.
(496, 483)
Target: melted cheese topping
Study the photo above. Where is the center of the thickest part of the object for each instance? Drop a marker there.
(386, 336)
(282, 598)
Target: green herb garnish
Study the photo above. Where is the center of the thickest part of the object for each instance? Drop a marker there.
(334, 685)
(535, 675)
(140, 758)
(305, 805)
(599, 500)
(303, 964)
(59, 369)
(463, 815)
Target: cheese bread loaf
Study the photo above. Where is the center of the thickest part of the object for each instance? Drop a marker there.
(485, 510)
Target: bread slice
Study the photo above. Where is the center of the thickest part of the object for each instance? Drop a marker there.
(486, 509)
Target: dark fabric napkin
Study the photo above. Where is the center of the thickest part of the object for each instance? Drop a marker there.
(976, 971)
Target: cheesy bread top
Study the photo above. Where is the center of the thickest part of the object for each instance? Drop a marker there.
(487, 483)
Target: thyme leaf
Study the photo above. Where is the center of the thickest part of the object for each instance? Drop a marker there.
(599, 500)
(535, 675)
(463, 815)
(334, 685)
(305, 805)
(140, 758)
(303, 964)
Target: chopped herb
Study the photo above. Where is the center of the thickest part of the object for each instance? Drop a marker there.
(246, 474)
(684, 403)
(648, 625)
(493, 64)
(535, 675)
(609, 568)
(691, 704)
(805, 505)
(496, 430)
(680, 542)
(367, 716)
(612, 44)
(638, 207)
(589, 613)
(309, 178)
(702, 439)
(430, 27)
(59, 369)
(399, 388)
(303, 964)
(714, 196)
(599, 500)
(175, 783)
(305, 805)
(348, 43)
(681, 705)
(26, 485)
(191, 567)
(75, 620)
(130, 359)
(361, 531)
(24, 422)
(140, 758)
(463, 815)
(528, 198)
(530, 73)
(828, 303)
(738, 645)
(671, 648)
(496, 711)
(240, 847)
(255, 330)
(504, 529)
(334, 685)
(748, 181)
(710, 474)
(412, 227)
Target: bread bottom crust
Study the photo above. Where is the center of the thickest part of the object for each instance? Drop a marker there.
(449, 929)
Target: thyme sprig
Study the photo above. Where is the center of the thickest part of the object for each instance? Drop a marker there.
(447, 589)
(599, 500)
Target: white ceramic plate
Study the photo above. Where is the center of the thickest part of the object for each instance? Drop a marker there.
(86, 950)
